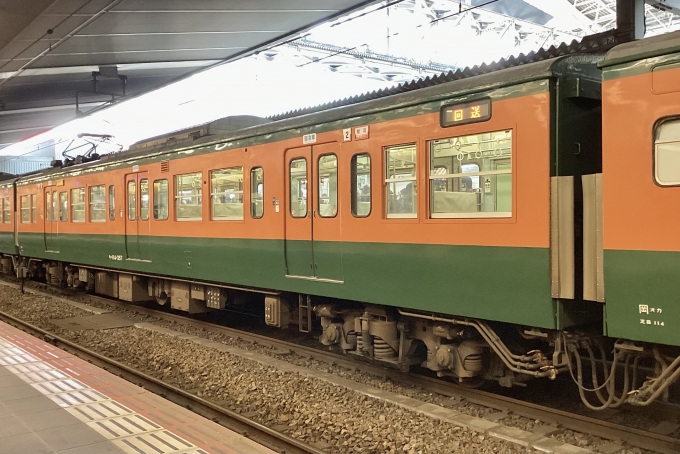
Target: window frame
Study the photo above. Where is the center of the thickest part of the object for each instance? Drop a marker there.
(131, 214)
(7, 208)
(387, 181)
(48, 206)
(55, 206)
(90, 203)
(141, 200)
(290, 187)
(73, 205)
(353, 184)
(112, 202)
(658, 124)
(318, 185)
(167, 199)
(34, 208)
(177, 197)
(214, 194)
(253, 199)
(480, 174)
(25, 198)
(66, 210)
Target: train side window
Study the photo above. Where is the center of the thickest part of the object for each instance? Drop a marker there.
(55, 207)
(189, 197)
(160, 200)
(6, 210)
(226, 193)
(471, 176)
(361, 185)
(34, 208)
(132, 200)
(327, 190)
(98, 203)
(667, 153)
(78, 205)
(63, 206)
(112, 203)
(144, 199)
(25, 209)
(401, 188)
(48, 206)
(256, 192)
(298, 188)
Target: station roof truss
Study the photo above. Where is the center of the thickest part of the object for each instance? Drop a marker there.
(506, 27)
(50, 49)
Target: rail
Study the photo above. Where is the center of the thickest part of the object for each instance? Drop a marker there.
(234, 421)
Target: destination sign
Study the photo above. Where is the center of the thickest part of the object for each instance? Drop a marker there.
(466, 112)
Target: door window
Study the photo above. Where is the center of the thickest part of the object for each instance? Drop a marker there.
(34, 208)
(48, 206)
(298, 188)
(132, 200)
(256, 192)
(112, 203)
(144, 200)
(55, 206)
(328, 186)
(361, 185)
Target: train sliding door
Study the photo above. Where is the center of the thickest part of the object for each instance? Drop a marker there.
(326, 224)
(50, 219)
(298, 241)
(312, 227)
(137, 216)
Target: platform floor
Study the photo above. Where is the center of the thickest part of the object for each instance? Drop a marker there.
(54, 402)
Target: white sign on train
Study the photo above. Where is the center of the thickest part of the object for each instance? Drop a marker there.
(309, 138)
(347, 134)
(361, 133)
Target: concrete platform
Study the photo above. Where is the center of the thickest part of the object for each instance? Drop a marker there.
(54, 402)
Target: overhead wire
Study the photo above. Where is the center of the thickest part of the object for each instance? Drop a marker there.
(344, 51)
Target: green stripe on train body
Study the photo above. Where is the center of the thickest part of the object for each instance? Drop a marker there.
(7, 243)
(509, 284)
(637, 285)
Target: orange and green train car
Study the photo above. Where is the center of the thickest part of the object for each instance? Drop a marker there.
(436, 226)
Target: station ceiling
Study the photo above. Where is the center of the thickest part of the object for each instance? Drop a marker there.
(49, 49)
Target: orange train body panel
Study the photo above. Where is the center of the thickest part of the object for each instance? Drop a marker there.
(639, 214)
(529, 225)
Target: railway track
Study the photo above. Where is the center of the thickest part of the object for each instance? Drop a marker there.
(580, 423)
(255, 431)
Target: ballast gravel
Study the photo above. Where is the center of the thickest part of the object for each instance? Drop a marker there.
(308, 409)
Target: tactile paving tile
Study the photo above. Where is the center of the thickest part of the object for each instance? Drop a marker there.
(128, 430)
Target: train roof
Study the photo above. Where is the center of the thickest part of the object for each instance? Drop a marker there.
(515, 70)
(644, 48)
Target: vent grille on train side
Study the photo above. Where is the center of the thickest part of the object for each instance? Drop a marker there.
(165, 166)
